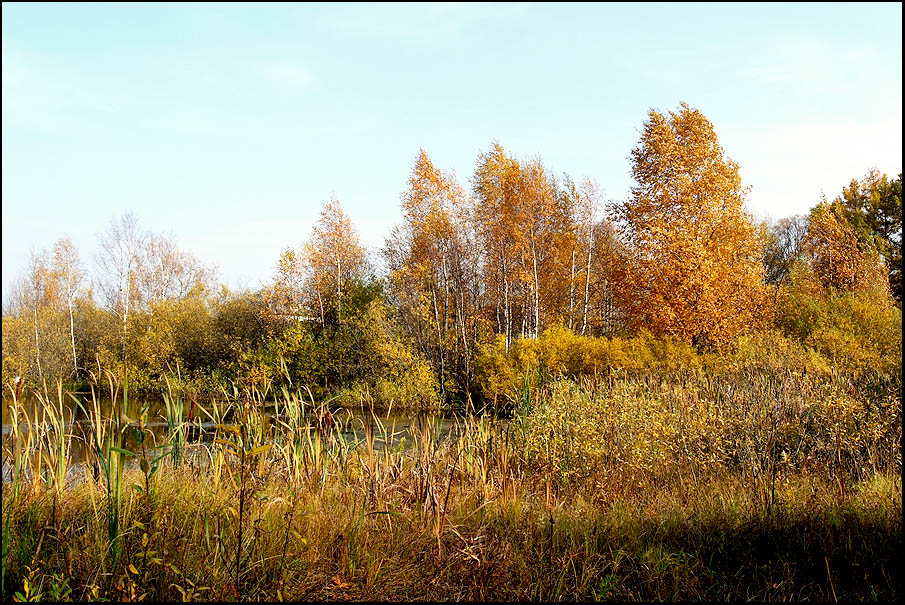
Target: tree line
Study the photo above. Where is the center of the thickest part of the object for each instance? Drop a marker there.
(518, 252)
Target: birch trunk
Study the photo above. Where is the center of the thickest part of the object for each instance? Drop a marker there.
(536, 292)
(587, 283)
(75, 363)
(572, 291)
(37, 345)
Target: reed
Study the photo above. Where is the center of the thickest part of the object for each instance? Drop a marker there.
(20, 446)
(174, 407)
(635, 488)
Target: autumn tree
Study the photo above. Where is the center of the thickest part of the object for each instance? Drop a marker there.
(494, 187)
(289, 285)
(37, 291)
(783, 246)
(168, 272)
(840, 259)
(320, 294)
(584, 202)
(70, 274)
(432, 270)
(35, 347)
(545, 240)
(693, 268)
(121, 246)
(873, 207)
(604, 315)
(526, 234)
(333, 258)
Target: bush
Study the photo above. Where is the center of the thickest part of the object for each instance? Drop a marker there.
(854, 332)
(359, 358)
(559, 352)
(756, 422)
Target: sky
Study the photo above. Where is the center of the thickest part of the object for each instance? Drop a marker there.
(227, 126)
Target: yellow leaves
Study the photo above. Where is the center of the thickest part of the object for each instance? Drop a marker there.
(261, 449)
(696, 272)
(839, 261)
(312, 278)
(226, 443)
(647, 428)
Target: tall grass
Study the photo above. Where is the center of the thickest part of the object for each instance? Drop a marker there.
(684, 486)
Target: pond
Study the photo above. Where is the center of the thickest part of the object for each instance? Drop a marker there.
(391, 428)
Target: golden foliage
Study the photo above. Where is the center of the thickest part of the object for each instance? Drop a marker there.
(311, 281)
(527, 233)
(838, 259)
(429, 269)
(692, 264)
(859, 331)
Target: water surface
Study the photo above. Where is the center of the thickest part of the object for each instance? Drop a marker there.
(391, 428)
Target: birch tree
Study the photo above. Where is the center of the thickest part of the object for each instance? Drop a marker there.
(840, 260)
(67, 267)
(495, 189)
(168, 272)
(333, 257)
(119, 260)
(429, 275)
(36, 291)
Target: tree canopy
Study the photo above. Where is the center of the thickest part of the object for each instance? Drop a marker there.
(692, 260)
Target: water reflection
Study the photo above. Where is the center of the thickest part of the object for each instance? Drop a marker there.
(391, 428)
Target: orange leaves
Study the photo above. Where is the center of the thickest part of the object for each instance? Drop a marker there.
(527, 233)
(693, 269)
(429, 260)
(334, 252)
(339, 583)
(838, 259)
(309, 282)
(289, 282)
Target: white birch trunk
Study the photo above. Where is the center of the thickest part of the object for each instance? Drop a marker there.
(37, 344)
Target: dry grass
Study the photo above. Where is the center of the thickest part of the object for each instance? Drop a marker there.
(295, 509)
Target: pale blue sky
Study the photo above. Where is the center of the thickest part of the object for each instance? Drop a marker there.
(229, 125)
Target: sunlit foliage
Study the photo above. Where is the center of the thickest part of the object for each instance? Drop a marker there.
(873, 207)
(432, 276)
(692, 265)
(839, 259)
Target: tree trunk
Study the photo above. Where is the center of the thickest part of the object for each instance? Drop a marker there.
(506, 315)
(125, 318)
(434, 298)
(536, 292)
(37, 345)
(75, 363)
(572, 291)
(587, 283)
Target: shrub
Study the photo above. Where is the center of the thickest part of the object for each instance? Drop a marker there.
(759, 423)
(854, 332)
